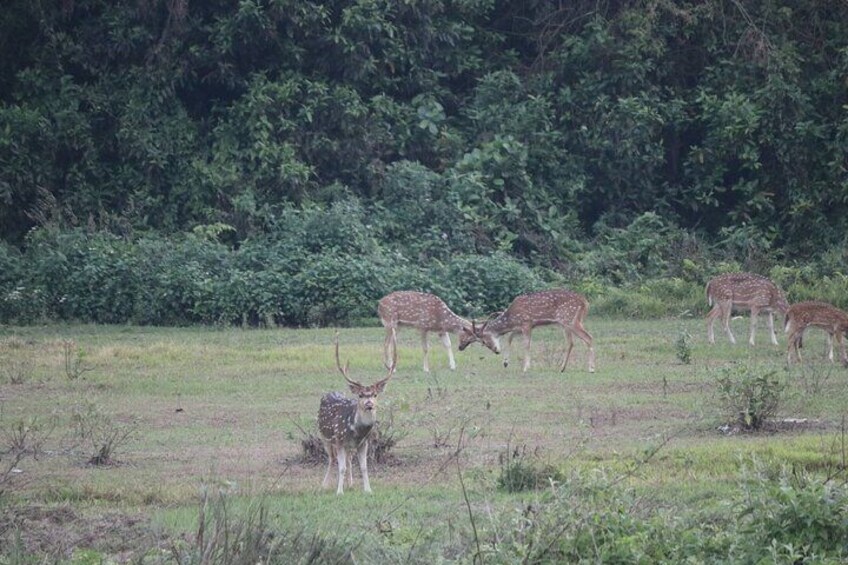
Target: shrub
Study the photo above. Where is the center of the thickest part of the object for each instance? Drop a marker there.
(88, 277)
(796, 515)
(683, 347)
(337, 287)
(749, 396)
(480, 284)
(178, 280)
(419, 216)
(19, 300)
(102, 433)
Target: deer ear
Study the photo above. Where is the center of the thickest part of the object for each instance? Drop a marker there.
(381, 386)
(356, 388)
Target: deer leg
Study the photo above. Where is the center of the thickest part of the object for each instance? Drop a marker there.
(726, 310)
(771, 327)
(388, 343)
(446, 341)
(830, 346)
(794, 341)
(755, 314)
(507, 349)
(426, 346)
(841, 342)
(790, 346)
(341, 457)
(527, 341)
(350, 469)
(328, 448)
(362, 452)
(570, 339)
(711, 318)
(587, 339)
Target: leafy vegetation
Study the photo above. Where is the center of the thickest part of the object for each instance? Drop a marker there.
(751, 396)
(605, 144)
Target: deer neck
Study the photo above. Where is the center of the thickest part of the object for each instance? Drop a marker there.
(458, 324)
(364, 419)
(454, 324)
(501, 325)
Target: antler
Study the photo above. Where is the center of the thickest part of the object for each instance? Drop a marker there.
(347, 363)
(492, 316)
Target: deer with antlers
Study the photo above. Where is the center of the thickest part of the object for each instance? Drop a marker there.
(345, 424)
(743, 291)
(425, 312)
(562, 307)
(814, 314)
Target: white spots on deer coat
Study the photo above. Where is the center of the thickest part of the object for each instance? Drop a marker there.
(820, 315)
(345, 424)
(421, 310)
(563, 307)
(743, 291)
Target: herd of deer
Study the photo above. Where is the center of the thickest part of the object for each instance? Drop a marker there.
(346, 424)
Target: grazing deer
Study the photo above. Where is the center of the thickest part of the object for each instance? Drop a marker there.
(743, 291)
(345, 424)
(427, 313)
(815, 314)
(563, 307)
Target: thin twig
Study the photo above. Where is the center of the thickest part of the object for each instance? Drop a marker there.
(479, 554)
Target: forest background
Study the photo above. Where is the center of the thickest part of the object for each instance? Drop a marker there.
(289, 162)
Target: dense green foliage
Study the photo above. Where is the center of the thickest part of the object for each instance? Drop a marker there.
(601, 141)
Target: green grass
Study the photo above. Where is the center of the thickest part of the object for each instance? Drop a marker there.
(218, 410)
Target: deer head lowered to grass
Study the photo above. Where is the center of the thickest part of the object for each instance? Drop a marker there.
(562, 307)
(743, 291)
(345, 424)
(427, 313)
(815, 314)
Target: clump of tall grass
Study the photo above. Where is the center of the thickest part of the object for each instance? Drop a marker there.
(228, 536)
(522, 471)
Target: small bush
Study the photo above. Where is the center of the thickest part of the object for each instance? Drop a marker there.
(20, 440)
(749, 396)
(520, 471)
(796, 515)
(74, 358)
(683, 347)
(103, 434)
(17, 370)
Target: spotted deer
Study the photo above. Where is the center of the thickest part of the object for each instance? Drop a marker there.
(814, 314)
(425, 312)
(565, 308)
(743, 291)
(345, 424)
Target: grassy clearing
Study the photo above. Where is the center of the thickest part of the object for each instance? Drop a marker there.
(219, 411)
